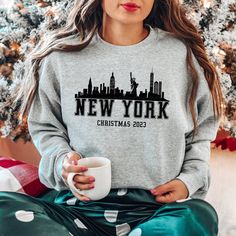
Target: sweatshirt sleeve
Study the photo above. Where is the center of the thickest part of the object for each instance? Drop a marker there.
(46, 127)
(195, 172)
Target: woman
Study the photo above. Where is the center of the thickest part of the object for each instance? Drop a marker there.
(129, 81)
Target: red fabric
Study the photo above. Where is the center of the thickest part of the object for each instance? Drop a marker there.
(17, 176)
(226, 143)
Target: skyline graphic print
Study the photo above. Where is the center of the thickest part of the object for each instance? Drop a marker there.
(148, 104)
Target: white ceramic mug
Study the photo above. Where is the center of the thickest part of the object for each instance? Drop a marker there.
(100, 169)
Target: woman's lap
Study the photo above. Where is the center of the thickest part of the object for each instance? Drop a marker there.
(122, 212)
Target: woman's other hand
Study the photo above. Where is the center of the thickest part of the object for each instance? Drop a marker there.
(170, 191)
(82, 182)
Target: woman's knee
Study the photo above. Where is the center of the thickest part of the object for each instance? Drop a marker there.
(193, 217)
(8, 200)
(17, 203)
(21, 214)
(11, 200)
(202, 211)
(12, 196)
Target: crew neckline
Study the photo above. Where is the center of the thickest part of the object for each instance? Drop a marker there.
(151, 37)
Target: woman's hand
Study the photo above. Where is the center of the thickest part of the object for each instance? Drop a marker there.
(82, 182)
(170, 191)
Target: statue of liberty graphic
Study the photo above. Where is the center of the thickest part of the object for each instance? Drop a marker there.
(134, 85)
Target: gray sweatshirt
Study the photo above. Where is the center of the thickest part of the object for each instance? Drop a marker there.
(126, 103)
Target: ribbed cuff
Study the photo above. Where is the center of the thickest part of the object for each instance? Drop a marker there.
(58, 170)
(192, 182)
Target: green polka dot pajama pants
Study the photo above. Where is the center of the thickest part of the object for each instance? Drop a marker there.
(131, 212)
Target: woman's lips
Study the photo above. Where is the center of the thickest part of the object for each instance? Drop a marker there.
(130, 6)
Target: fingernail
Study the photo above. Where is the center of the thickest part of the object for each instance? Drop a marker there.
(92, 179)
(83, 168)
(74, 162)
(153, 191)
(86, 199)
(91, 186)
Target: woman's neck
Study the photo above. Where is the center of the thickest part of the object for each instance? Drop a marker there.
(121, 34)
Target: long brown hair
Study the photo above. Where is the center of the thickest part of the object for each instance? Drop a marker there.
(85, 17)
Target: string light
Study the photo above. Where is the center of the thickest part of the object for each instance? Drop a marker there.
(207, 3)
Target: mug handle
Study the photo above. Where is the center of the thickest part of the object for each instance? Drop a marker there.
(71, 183)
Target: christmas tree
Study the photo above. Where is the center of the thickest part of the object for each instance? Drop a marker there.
(215, 20)
(23, 23)
(21, 27)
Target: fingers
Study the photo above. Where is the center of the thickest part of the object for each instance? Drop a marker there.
(84, 186)
(165, 192)
(72, 155)
(79, 186)
(162, 189)
(82, 182)
(166, 198)
(84, 179)
(81, 197)
(69, 167)
(70, 163)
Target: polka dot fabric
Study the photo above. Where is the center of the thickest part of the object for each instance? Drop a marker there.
(131, 212)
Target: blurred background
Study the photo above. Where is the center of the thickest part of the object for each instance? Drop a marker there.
(23, 24)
